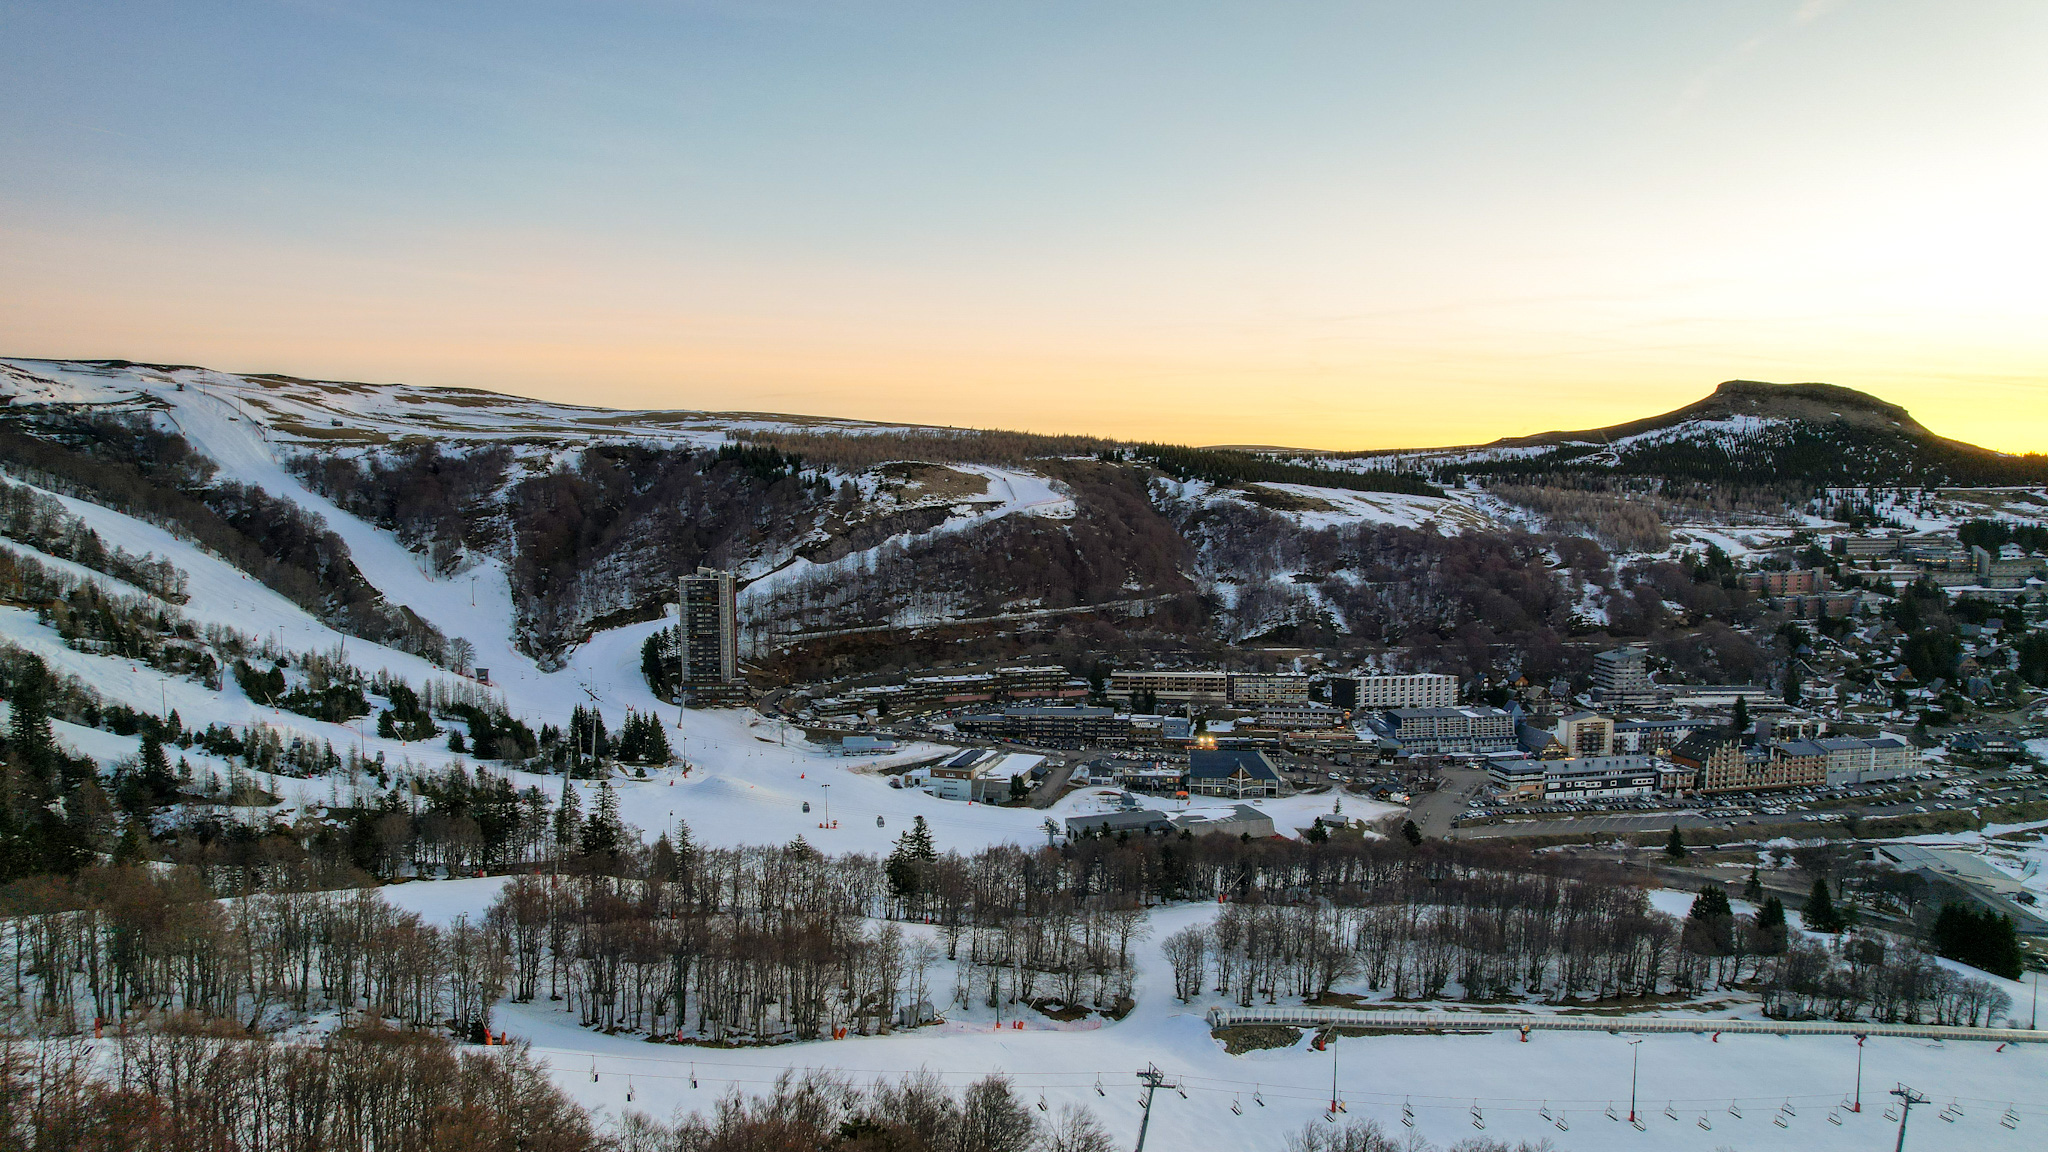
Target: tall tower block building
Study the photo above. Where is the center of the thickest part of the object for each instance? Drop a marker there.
(710, 630)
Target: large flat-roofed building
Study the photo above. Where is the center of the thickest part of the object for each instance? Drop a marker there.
(1297, 716)
(1599, 777)
(1409, 690)
(1793, 582)
(1237, 820)
(1653, 736)
(1586, 734)
(1170, 687)
(981, 774)
(1131, 821)
(710, 633)
(1854, 760)
(1451, 729)
(1722, 695)
(1253, 689)
(1577, 777)
(1061, 725)
(1621, 678)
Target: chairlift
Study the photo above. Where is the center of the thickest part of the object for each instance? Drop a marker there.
(878, 821)
(807, 806)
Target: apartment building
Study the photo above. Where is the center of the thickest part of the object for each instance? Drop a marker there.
(1050, 725)
(1259, 689)
(1721, 762)
(1172, 687)
(1413, 690)
(1621, 678)
(1586, 734)
(710, 631)
(1794, 582)
(1429, 730)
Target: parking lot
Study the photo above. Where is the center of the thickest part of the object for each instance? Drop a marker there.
(1933, 790)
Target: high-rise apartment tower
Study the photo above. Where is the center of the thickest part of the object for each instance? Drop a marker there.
(710, 629)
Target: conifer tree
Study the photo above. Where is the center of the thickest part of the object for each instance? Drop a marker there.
(568, 821)
(28, 727)
(603, 835)
(1674, 845)
(1819, 913)
(1770, 925)
(1710, 904)
(154, 770)
(1753, 888)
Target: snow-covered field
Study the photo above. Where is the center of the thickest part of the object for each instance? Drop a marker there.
(1252, 1101)
(749, 778)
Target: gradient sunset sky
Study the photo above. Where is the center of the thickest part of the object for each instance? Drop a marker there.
(1335, 225)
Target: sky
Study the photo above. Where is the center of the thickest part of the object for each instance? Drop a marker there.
(1330, 225)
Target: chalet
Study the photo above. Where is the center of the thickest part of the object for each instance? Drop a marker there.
(1233, 772)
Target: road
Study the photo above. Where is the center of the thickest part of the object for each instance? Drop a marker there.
(1434, 811)
(1053, 786)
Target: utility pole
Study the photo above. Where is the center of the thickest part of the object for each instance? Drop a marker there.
(1907, 1098)
(1153, 1080)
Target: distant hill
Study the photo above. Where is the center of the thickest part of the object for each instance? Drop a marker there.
(1748, 432)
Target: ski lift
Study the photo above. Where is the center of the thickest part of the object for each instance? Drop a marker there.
(807, 806)
(1407, 1115)
(1041, 1099)
(1734, 1111)
(2011, 1119)
(1705, 1124)
(1236, 1107)
(1478, 1121)
(1671, 1110)
(878, 821)
(1256, 1098)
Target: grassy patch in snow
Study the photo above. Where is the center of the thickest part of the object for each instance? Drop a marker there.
(1255, 1037)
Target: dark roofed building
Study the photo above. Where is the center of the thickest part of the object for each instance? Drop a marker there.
(1233, 772)
(1137, 820)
